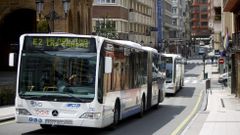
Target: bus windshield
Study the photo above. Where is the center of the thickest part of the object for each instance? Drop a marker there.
(169, 69)
(54, 73)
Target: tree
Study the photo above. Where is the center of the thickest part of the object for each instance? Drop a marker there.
(42, 26)
(106, 28)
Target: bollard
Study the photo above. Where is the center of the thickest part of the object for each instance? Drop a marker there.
(208, 84)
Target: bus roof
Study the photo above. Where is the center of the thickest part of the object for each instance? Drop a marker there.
(125, 42)
(58, 34)
(129, 43)
(172, 55)
(150, 49)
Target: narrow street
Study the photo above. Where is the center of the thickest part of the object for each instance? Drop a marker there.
(167, 119)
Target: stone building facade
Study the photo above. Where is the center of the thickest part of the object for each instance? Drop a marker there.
(20, 16)
(134, 20)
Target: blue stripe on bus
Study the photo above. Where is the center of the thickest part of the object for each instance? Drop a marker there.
(131, 111)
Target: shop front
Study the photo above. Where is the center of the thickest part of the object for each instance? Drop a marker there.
(234, 54)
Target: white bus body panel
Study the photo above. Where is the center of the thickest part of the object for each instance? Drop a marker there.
(69, 113)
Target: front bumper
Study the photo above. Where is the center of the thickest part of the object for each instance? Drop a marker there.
(81, 122)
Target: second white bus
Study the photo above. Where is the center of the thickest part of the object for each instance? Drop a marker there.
(174, 72)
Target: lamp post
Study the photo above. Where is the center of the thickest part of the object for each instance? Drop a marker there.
(204, 75)
(159, 46)
(150, 44)
(52, 15)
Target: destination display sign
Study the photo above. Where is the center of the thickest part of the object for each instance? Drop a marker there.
(58, 43)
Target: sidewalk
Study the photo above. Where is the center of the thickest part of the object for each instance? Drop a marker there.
(7, 113)
(222, 115)
(7, 79)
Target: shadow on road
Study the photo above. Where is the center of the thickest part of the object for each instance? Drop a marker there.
(185, 92)
(191, 75)
(189, 67)
(150, 123)
(64, 131)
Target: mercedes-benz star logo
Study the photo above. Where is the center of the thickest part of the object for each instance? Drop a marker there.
(54, 113)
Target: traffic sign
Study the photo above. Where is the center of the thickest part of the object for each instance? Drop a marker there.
(221, 61)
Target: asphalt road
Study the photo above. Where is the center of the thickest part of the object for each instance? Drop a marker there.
(172, 116)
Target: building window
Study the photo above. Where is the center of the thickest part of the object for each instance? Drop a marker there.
(203, 1)
(204, 8)
(217, 13)
(174, 11)
(204, 16)
(97, 1)
(105, 1)
(174, 22)
(204, 23)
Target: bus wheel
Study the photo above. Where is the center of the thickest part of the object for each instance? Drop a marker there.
(44, 126)
(142, 107)
(158, 101)
(116, 116)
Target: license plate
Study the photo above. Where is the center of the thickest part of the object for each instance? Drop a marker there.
(58, 122)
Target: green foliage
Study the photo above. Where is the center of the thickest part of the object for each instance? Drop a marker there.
(7, 95)
(106, 29)
(42, 26)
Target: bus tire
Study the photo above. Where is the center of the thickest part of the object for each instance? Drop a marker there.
(182, 83)
(142, 107)
(44, 126)
(162, 96)
(158, 101)
(116, 115)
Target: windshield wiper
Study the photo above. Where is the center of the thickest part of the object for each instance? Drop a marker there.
(35, 96)
(71, 95)
(53, 97)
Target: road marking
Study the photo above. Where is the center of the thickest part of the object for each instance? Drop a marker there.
(188, 118)
(195, 81)
(186, 81)
(7, 122)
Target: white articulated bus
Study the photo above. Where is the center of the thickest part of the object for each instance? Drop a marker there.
(174, 72)
(84, 80)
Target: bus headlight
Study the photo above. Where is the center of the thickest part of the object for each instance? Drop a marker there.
(23, 112)
(91, 115)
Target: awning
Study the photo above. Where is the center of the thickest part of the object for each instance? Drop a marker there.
(231, 5)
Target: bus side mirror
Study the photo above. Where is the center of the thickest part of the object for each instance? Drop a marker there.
(12, 59)
(108, 65)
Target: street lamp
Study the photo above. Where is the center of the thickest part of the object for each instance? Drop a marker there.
(164, 45)
(159, 46)
(150, 43)
(52, 15)
(204, 74)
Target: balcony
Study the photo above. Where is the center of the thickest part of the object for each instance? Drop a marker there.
(145, 2)
(135, 17)
(195, 3)
(195, 11)
(204, 27)
(195, 27)
(195, 19)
